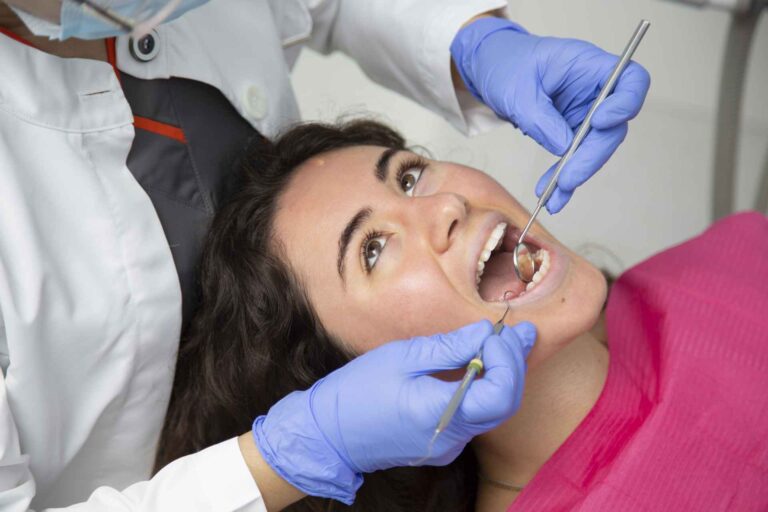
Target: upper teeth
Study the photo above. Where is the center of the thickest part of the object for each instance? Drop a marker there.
(493, 242)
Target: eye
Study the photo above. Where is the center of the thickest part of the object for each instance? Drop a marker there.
(409, 173)
(409, 179)
(371, 249)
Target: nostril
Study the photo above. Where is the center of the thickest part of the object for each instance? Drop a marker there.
(451, 228)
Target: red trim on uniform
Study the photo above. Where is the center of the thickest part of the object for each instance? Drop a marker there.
(143, 123)
(167, 130)
(109, 44)
(111, 52)
(17, 37)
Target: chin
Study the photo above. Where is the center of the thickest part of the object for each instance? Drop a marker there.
(575, 311)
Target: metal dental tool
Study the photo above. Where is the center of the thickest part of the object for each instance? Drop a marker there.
(138, 26)
(522, 258)
(473, 368)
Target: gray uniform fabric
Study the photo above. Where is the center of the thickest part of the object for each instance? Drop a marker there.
(186, 182)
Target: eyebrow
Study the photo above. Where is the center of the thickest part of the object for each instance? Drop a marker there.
(381, 171)
(382, 165)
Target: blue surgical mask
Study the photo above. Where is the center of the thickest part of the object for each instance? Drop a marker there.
(78, 20)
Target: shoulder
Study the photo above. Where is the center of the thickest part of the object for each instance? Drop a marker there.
(726, 259)
(721, 273)
(750, 225)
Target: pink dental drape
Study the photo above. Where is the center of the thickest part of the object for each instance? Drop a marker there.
(682, 422)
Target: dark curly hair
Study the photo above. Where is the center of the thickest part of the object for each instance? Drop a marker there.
(255, 336)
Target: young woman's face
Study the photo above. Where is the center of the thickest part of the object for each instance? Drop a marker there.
(387, 245)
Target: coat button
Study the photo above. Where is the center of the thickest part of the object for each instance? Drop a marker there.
(255, 102)
(146, 48)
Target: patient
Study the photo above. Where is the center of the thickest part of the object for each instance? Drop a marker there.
(342, 239)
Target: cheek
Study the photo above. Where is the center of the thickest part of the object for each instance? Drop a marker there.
(420, 302)
(477, 186)
(483, 191)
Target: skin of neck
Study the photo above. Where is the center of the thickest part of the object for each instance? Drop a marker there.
(559, 393)
(46, 9)
(71, 48)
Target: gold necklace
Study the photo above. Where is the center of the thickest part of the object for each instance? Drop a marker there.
(500, 484)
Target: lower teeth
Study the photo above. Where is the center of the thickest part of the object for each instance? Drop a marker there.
(542, 259)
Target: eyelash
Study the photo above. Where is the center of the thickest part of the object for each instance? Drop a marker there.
(413, 162)
(369, 236)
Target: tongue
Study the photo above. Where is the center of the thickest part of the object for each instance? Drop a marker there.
(499, 277)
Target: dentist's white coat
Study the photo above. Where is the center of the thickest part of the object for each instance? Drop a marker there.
(90, 306)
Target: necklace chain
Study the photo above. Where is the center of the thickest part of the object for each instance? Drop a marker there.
(500, 484)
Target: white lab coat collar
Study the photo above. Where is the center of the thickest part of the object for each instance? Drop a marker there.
(76, 96)
(235, 46)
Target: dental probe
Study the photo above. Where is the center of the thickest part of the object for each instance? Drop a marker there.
(474, 366)
(525, 259)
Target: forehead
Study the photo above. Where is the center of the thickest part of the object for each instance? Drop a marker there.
(324, 193)
(332, 174)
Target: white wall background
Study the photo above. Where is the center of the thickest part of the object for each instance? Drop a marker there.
(655, 191)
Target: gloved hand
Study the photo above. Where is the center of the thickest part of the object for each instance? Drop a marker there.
(545, 86)
(381, 409)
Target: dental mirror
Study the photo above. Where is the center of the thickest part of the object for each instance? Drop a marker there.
(523, 261)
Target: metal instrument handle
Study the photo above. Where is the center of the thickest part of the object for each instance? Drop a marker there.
(586, 125)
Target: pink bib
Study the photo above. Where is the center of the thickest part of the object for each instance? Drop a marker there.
(682, 422)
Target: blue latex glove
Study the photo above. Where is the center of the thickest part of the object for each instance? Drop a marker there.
(545, 86)
(380, 410)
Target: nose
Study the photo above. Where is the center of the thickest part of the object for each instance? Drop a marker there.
(445, 215)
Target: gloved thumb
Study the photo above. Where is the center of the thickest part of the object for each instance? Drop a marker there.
(499, 393)
(541, 121)
(447, 351)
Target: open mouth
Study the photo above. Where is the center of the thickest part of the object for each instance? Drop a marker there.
(496, 279)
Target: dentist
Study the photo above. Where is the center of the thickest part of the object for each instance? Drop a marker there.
(115, 154)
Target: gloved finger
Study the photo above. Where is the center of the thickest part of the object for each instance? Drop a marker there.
(540, 120)
(498, 394)
(426, 400)
(558, 200)
(593, 153)
(429, 354)
(559, 197)
(596, 149)
(581, 83)
(626, 100)
(541, 185)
